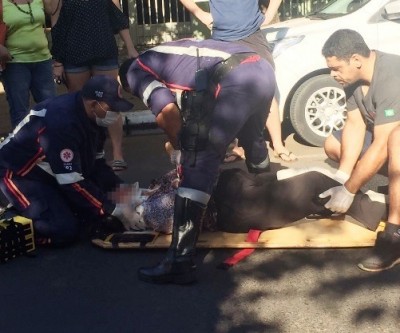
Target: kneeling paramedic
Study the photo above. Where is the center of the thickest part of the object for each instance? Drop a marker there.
(50, 167)
(204, 94)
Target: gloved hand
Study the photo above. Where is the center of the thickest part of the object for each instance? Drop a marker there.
(128, 200)
(174, 154)
(130, 218)
(175, 157)
(341, 199)
(341, 176)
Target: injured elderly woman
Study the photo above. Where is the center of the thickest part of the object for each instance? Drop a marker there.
(243, 201)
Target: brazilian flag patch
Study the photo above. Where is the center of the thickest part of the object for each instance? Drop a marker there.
(389, 113)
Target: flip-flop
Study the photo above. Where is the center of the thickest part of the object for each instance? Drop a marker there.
(286, 157)
(232, 157)
(119, 165)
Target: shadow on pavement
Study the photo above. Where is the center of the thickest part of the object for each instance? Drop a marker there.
(86, 289)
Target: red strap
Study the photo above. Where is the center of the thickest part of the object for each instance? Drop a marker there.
(252, 236)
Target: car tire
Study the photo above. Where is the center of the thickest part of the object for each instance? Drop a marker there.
(317, 108)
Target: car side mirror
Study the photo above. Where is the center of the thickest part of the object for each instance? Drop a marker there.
(392, 11)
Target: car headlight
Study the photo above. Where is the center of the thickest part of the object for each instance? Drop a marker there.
(282, 45)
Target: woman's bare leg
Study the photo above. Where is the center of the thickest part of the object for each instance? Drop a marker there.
(115, 130)
(275, 132)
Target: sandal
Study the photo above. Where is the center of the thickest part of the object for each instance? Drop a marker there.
(232, 157)
(286, 157)
(119, 165)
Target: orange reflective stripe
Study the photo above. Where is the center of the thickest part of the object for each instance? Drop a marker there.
(12, 187)
(88, 197)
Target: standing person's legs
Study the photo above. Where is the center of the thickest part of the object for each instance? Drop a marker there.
(274, 128)
(76, 80)
(16, 79)
(241, 110)
(42, 84)
(386, 252)
(115, 130)
(76, 77)
(259, 43)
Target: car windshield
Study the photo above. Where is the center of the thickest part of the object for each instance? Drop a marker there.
(337, 8)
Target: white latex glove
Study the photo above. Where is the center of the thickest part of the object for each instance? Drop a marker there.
(129, 198)
(130, 218)
(341, 176)
(174, 154)
(341, 199)
(175, 157)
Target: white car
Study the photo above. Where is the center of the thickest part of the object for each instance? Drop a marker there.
(309, 97)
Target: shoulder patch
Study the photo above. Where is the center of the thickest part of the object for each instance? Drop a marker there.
(389, 113)
(66, 155)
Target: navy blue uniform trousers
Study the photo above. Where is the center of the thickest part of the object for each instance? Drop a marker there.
(239, 110)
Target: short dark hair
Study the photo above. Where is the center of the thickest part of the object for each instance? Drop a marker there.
(344, 43)
(123, 70)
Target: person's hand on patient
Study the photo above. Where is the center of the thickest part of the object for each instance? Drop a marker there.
(174, 154)
(340, 199)
(128, 198)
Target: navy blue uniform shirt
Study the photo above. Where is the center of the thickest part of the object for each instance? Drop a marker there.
(58, 144)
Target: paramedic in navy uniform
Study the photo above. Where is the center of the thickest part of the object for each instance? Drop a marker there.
(51, 167)
(230, 88)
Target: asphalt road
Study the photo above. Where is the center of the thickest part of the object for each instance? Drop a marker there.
(85, 289)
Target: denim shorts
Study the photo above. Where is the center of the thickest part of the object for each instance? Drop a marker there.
(98, 64)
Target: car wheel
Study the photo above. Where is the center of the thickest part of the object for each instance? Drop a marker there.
(317, 108)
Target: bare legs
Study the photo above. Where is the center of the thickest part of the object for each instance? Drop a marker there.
(275, 131)
(274, 128)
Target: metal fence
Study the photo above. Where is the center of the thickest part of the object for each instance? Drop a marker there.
(161, 11)
(298, 8)
(154, 21)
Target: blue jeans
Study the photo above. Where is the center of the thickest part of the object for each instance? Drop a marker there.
(19, 79)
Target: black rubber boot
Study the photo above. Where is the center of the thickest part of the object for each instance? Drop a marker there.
(178, 266)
